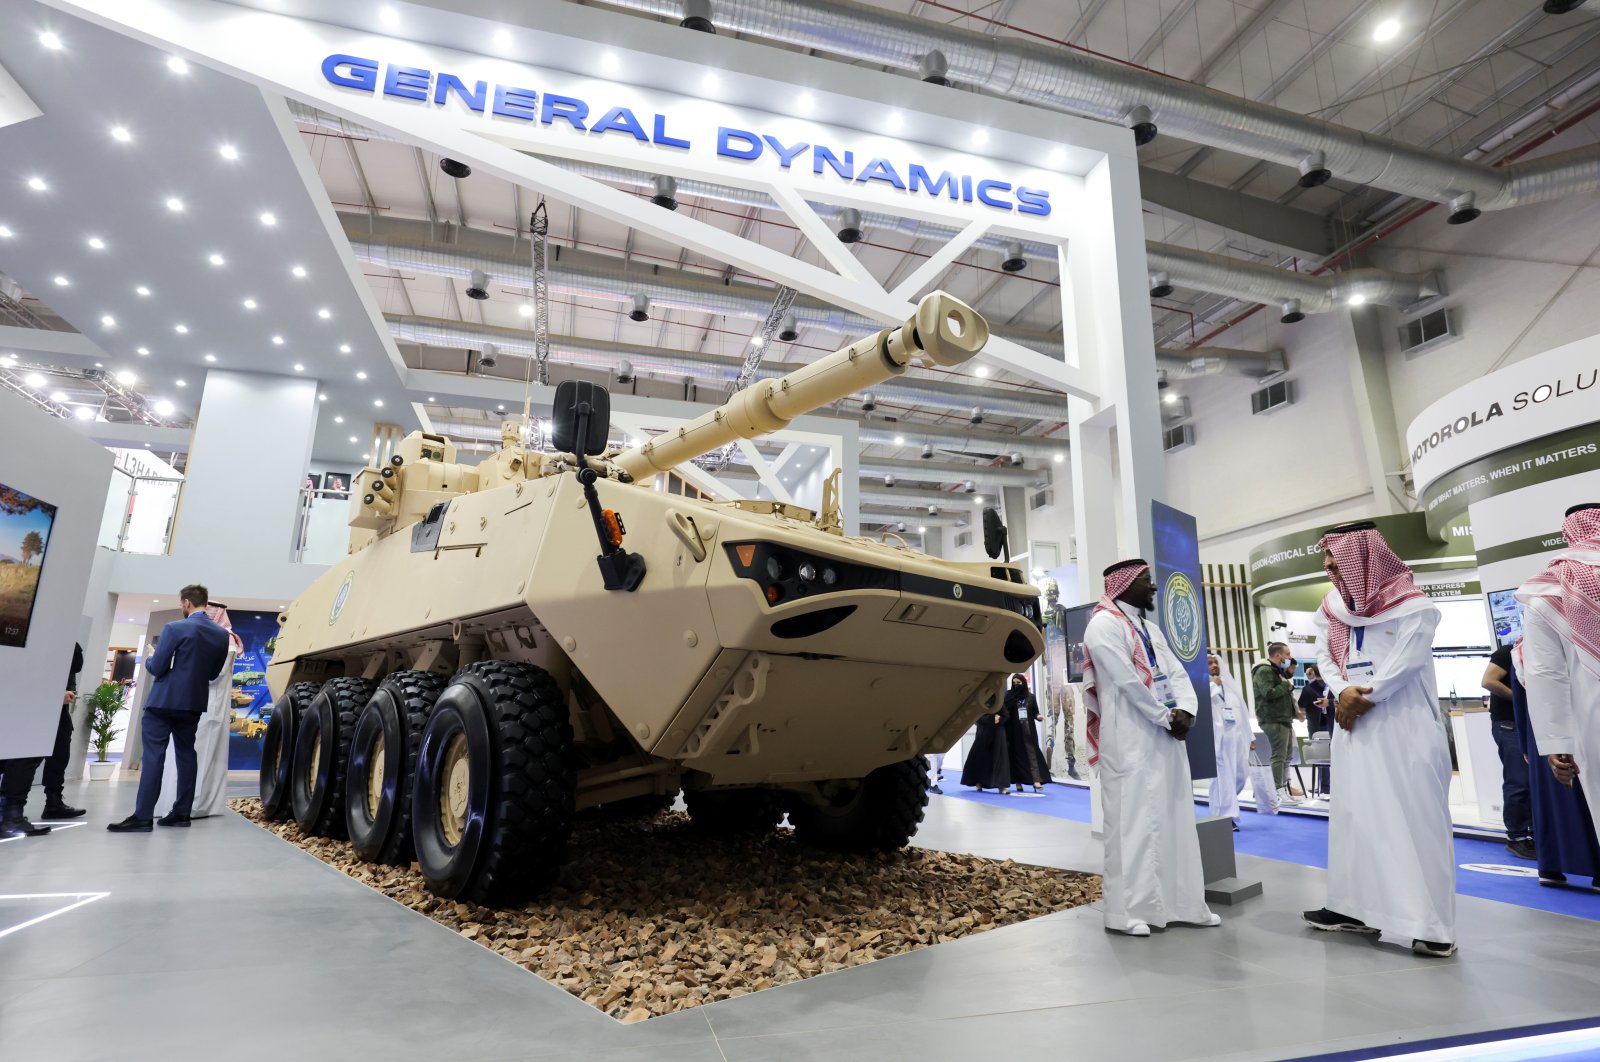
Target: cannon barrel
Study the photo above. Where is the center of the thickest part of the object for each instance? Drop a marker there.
(944, 331)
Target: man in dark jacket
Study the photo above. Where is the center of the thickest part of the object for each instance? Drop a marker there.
(188, 655)
(16, 775)
(1273, 684)
(55, 766)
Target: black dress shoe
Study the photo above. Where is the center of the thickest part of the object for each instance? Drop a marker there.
(132, 824)
(1333, 922)
(171, 819)
(1522, 849)
(17, 826)
(63, 811)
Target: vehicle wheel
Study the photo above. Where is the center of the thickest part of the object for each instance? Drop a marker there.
(383, 765)
(277, 749)
(322, 754)
(496, 785)
(733, 812)
(879, 814)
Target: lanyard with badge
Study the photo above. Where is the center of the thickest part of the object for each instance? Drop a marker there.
(1219, 693)
(1160, 684)
(1359, 672)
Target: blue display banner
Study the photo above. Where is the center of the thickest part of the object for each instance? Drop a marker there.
(252, 702)
(1181, 606)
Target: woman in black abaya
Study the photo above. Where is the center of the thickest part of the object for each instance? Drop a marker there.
(1021, 713)
(988, 763)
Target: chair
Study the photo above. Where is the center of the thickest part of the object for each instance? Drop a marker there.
(1295, 760)
(1317, 753)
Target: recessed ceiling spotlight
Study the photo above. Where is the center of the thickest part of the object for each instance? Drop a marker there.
(806, 103)
(344, 348)
(58, 396)
(182, 329)
(34, 380)
(361, 376)
(268, 218)
(299, 271)
(1057, 156)
(249, 304)
(711, 82)
(338, 420)
(1357, 299)
(174, 204)
(502, 38)
(324, 313)
(1058, 458)
(982, 372)
(352, 438)
(126, 378)
(298, 367)
(83, 413)
(212, 358)
(366, 457)
(181, 383)
(389, 16)
(1170, 399)
(177, 65)
(526, 309)
(1387, 30)
(980, 137)
(37, 184)
(142, 290)
(50, 40)
(322, 397)
(895, 120)
(229, 152)
(120, 134)
(6, 233)
(430, 398)
(501, 406)
(108, 321)
(379, 402)
(144, 352)
(215, 259)
(97, 243)
(610, 63)
(165, 408)
(277, 341)
(899, 440)
(62, 282)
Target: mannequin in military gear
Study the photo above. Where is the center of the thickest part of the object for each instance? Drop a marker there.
(1058, 698)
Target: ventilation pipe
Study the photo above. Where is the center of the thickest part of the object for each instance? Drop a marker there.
(477, 285)
(1160, 285)
(849, 225)
(1267, 284)
(1292, 313)
(934, 68)
(1314, 170)
(788, 328)
(666, 191)
(1219, 361)
(697, 16)
(1014, 260)
(1084, 84)
(640, 308)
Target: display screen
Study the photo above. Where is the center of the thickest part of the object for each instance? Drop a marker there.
(1460, 678)
(1505, 611)
(1077, 621)
(25, 524)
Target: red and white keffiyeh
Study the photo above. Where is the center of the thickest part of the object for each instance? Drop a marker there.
(1571, 583)
(219, 616)
(1117, 582)
(1379, 584)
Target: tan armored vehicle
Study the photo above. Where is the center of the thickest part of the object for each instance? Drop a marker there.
(512, 642)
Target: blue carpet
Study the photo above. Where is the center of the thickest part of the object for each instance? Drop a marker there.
(1303, 839)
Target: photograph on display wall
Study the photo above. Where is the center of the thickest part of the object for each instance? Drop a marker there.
(252, 703)
(25, 524)
(313, 481)
(337, 483)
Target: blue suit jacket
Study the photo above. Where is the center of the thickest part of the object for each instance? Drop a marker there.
(189, 654)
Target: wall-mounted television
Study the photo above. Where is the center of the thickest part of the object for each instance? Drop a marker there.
(1075, 624)
(1505, 612)
(25, 524)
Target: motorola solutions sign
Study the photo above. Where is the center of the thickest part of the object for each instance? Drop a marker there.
(596, 118)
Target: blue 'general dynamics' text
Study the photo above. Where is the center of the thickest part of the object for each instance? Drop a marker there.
(522, 104)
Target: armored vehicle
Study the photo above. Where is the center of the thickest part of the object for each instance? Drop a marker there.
(545, 632)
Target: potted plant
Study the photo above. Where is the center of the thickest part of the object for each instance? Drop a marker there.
(104, 704)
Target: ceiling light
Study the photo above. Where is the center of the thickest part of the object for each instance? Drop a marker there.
(108, 321)
(50, 40)
(500, 406)
(299, 271)
(379, 403)
(526, 309)
(361, 376)
(324, 313)
(6, 233)
(352, 438)
(165, 408)
(430, 399)
(1058, 458)
(144, 352)
(182, 329)
(229, 152)
(980, 137)
(97, 243)
(502, 38)
(1357, 299)
(37, 184)
(982, 372)
(214, 259)
(177, 65)
(344, 348)
(610, 63)
(83, 413)
(268, 218)
(322, 397)
(338, 420)
(1057, 156)
(899, 440)
(58, 396)
(1387, 30)
(922, 530)
(211, 358)
(175, 204)
(366, 457)
(389, 16)
(141, 290)
(34, 380)
(806, 103)
(126, 378)
(895, 120)
(62, 282)
(277, 341)
(181, 383)
(711, 82)
(298, 367)
(1170, 399)
(249, 304)
(120, 134)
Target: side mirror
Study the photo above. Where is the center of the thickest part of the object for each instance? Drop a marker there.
(994, 533)
(581, 417)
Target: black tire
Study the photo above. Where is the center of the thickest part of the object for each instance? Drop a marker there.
(322, 756)
(380, 829)
(497, 752)
(881, 814)
(733, 812)
(277, 749)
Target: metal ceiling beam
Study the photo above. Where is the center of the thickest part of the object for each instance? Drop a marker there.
(1251, 215)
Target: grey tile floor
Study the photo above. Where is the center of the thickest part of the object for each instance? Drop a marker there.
(222, 942)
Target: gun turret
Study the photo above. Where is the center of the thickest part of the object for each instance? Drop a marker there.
(944, 331)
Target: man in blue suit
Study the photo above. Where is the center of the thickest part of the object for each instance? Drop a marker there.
(188, 655)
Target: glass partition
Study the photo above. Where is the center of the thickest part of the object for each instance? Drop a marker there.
(118, 495)
(324, 532)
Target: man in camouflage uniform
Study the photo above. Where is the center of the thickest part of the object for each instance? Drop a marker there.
(1058, 694)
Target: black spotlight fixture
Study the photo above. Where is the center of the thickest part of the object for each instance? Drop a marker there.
(489, 356)
(1463, 208)
(1143, 124)
(697, 16)
(1314, 170)
(625, 372)
(927, 451)
(1014, 262)
(1160, 285)
(1292, 312)
(869, 402)
(935, 69)
(641, 308)
(1562, 7)
(788, 328)
(849, 225)
(666, 193)
(478, 286)
(455, 169)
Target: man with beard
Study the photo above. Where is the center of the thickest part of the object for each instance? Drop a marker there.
(1391, 861)
(1141, 707)
(1561, 654)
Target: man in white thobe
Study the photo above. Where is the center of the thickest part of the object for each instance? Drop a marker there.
(1391, 860)
(1141, 707)
(1231, 734)
(1560, 663)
